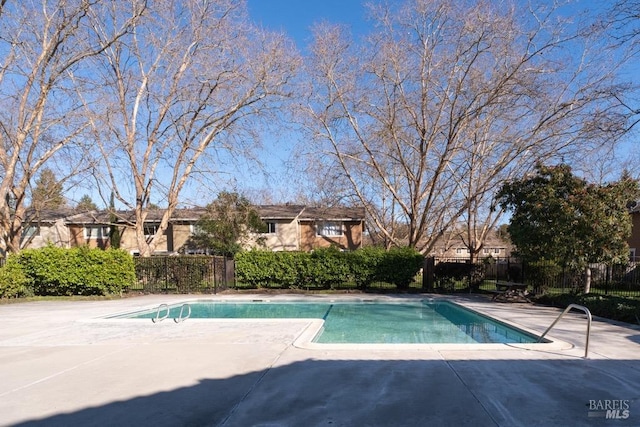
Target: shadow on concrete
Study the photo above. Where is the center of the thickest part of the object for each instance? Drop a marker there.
(386, 393)
(634, 338)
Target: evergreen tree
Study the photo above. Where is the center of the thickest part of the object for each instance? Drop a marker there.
(47, 193)
(114, 231)
(560, 217)
(86, 204)
(228, 220)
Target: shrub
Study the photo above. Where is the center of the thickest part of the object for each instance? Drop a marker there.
(608, 306)
(77, 271)
(151, 272)
(399, 266)
(263, 269)
(13, 282)
(188, 273)
(292, 269)
(542, 274)
(363, 265)
(515, 273)
(446, 273)
(328, 267)
(251, 267)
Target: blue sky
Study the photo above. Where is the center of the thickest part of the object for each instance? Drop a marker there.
(295, 17)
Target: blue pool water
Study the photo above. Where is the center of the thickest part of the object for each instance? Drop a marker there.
(369, 322)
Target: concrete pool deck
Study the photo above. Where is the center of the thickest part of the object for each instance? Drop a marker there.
(61, 364)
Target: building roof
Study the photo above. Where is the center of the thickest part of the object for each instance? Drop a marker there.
(333, 213)
(267, 212)
(453, 240)
(279, 211)
(53, 215)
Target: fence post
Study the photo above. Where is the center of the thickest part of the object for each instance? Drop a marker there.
(166, 275)
(212, 274)
(427, 273)
(230, 272)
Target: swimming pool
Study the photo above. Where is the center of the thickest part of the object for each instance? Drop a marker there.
(365, 322)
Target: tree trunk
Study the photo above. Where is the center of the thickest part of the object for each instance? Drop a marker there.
(587, 280)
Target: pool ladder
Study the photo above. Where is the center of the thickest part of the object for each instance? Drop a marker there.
(566, 310)
(181, 317)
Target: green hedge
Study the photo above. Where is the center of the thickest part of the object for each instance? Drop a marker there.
(399, 266)
(76, 271)
(447, 273)
(13, 282)
(364, 265)
(541, 274)
(328, 268)
(263, 269)
(608, 306)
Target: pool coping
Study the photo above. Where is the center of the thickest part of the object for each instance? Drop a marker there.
(304, 340)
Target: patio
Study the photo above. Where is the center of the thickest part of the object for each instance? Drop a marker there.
(62, 365)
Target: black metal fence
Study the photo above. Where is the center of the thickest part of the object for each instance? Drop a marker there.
(211, 274)
(183, 274)
(548, 277)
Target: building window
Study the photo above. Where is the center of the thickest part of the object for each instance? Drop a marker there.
(271, 227)
(30, 232)
(486, 251)
(329, 228)
(150, 230)
(96, 232)
(632, 254)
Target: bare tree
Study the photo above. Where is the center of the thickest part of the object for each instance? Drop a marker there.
(445, 101)
(622, 22)
(183, 85)
(45, 46)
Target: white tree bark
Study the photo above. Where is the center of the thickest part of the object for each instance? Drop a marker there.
(587, 280)
(182, 86)
(445, 101)
(45, 46)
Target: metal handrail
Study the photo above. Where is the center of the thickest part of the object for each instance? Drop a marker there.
(566, 310)
(159, 319)
(180, 317)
